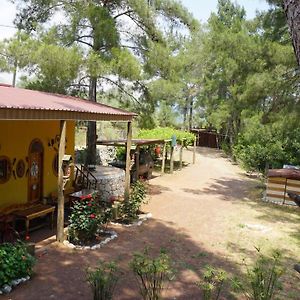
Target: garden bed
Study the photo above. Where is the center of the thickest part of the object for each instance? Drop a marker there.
(138, 222)
(104, 237)
(15, 265)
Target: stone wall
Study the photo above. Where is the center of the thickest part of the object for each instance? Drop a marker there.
(111, 182)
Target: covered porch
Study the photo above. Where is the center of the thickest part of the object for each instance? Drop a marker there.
(48, 121)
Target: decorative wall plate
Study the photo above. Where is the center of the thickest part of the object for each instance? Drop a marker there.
(20, 168)
(5, 169)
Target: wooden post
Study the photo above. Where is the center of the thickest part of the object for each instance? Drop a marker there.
(127, 170)
(163, 163)
(137, 162)
(60, 194)
(172, 160)
(194, 152)
(180, 155)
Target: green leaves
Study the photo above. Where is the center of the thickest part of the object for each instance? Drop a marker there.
(15, 262)
(87, 217)
(264, 276)
(212, 283)
(103, 280)
(166, 133)
(152, 273)
(130, 208)
(125, 64)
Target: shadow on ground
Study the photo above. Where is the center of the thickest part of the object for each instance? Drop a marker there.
(155, 189)
(60, 272)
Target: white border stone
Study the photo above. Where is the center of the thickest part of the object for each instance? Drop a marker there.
(112, 236)
(139, 222)
(7, 288)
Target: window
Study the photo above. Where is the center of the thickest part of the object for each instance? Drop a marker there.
(5, 169)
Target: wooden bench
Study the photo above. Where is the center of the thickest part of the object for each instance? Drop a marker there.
(34, 212)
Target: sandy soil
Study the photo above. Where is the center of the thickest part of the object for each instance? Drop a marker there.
(207, 213)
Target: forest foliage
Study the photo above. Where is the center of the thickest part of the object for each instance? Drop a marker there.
(152, 57)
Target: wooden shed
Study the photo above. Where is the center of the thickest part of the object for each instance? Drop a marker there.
(206, 137)
(281, 182)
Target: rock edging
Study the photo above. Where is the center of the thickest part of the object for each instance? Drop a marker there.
(7, 288)
(139, 222)
(113, 235)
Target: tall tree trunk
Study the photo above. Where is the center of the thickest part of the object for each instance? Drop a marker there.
(92, 130)
(185, 112)
(292, 12)
(191, 114)
(15, 73)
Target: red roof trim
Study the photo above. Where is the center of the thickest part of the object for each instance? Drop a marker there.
(23, 99)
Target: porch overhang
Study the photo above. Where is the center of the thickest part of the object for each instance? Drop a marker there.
(22, 104)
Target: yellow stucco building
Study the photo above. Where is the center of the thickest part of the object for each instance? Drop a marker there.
(37, 133)
(28, 159)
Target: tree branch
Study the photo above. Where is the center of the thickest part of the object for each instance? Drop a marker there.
(123, 13)
(120, 88)
(133, 47)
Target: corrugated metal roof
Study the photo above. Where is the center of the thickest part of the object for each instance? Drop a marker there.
(17, 103)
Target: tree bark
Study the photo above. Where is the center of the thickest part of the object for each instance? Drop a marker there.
(92, 130)
(292, 12)
(185, 112)
(191, 114)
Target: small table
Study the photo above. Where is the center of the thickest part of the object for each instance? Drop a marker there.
(82, 195)
(34, 212)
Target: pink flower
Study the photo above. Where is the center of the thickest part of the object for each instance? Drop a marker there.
(92, 216)
(89, 204)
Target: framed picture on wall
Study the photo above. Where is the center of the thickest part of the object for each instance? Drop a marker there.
(5, 169)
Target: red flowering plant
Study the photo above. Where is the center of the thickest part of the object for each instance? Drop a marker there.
(87, 217)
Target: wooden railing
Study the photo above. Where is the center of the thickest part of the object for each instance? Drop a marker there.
(84, 178)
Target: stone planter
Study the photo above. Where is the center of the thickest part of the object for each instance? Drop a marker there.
(111, 182)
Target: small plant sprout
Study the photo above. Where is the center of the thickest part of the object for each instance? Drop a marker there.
(103, 280)
(264, 276)
(212, 283)
(137, 197)
(152, 273)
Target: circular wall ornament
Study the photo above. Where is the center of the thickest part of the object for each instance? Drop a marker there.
(5, 169)
(20, 168)
(55, 165)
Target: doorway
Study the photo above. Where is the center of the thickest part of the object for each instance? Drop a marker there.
(35, 175)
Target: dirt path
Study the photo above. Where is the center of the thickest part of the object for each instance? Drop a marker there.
(204, 214)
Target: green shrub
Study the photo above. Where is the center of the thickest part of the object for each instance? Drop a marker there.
(87, 217)
(264, 277)
(166, 133)
(262, 145)
(15, 262)
(212, 283)
(103, 280)
(152, 274)
(131, 207)
(121, 153)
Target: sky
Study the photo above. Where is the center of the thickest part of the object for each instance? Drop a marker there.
(201, 10)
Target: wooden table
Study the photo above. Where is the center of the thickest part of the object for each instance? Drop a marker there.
(34, 212)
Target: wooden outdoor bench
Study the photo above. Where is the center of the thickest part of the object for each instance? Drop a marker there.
(34, 212)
